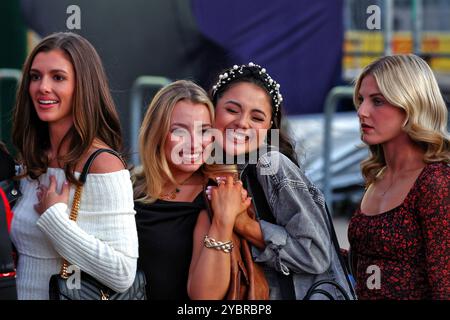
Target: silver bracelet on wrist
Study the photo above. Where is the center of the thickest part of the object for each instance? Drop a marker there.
(212, 243)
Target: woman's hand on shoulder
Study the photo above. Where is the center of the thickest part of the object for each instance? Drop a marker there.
(48, 196)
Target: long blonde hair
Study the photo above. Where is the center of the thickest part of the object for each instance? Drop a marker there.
(150, 177)
(407, 82)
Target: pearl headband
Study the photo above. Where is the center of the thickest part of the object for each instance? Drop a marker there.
(255, 71)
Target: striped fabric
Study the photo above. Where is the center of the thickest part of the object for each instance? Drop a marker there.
(103, 241)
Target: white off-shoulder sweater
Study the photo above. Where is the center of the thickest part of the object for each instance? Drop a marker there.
(102, 242)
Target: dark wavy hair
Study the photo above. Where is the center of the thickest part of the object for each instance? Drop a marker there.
(252, 74)
(94, 112)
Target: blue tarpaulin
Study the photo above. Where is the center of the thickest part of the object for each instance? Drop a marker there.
(299, 42)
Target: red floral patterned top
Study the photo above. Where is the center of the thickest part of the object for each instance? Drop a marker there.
(404, 253)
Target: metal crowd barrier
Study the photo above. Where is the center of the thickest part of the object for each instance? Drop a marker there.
(140, 85)
(333, 97)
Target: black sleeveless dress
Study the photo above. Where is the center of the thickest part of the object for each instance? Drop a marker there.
(165, 232)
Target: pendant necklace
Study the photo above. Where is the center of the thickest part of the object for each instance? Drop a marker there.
(392, 182)
(173, 194)
(390, 185)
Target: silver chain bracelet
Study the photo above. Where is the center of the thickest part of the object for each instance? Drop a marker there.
(218, 245)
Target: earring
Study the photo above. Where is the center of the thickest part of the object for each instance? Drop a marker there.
(405, 123)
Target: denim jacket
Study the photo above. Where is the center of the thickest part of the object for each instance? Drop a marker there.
(300, 242)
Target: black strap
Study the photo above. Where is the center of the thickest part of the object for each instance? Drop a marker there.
(337, 248)
(250, 180)
(6, 260)
(254, 188)
(91, 159)
(210, 182)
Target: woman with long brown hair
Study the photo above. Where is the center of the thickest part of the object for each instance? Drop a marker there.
(64, 113)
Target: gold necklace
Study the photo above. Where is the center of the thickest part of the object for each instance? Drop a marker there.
(392, 182)
(390, 185)
(393, 179)
(173, 194)
(170, 195)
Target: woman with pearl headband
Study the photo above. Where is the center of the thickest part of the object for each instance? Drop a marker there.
(290, 237)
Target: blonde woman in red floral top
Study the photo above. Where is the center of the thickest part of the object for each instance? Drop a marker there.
(400, 235)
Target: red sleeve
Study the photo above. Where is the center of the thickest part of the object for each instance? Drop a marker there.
(7, 209)
(434, 212)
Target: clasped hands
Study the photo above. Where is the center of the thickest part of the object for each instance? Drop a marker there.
(229, 201)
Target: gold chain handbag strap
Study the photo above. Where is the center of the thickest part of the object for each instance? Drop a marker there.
(73, 216)
(77, 197)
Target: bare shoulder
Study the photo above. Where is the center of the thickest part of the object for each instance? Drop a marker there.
(106, 163)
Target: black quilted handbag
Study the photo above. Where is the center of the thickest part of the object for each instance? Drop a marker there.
(90, 288)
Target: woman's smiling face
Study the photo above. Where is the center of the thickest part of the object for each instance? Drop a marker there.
(243, 116)
(186, 140)
(52, 87)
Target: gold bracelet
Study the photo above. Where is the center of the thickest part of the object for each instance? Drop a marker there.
(218, 245)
